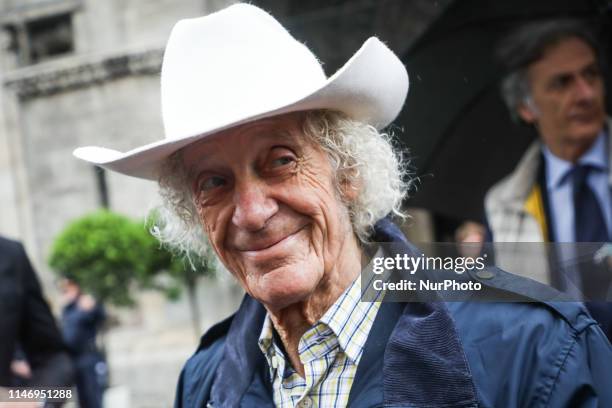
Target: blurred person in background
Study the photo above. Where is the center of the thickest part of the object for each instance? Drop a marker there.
(287, 175)
(82, 317)
(26, 323)
(470, 236)
(560, 189)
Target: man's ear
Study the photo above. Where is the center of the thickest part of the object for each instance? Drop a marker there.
(350, 188)
(527, 111)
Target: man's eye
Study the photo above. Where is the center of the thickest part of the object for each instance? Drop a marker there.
(560, 82)
(282, 161)
(211, 183)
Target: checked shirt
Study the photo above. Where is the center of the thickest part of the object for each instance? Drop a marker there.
(330, 352)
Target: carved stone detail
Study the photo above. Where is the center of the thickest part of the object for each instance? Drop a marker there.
(31, 83)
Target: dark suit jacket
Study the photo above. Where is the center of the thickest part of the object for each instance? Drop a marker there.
(25, 319)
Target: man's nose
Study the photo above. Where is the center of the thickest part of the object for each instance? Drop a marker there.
(585, 89)
(252, 206)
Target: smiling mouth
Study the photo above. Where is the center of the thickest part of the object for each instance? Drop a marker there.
(258, 248)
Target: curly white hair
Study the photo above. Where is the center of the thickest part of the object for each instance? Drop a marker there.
(361, 156)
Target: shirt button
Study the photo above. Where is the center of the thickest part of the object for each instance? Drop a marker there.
(305, 403)
(485, 274)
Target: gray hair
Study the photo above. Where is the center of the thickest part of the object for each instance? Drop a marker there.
(359, 154)
(526, 45)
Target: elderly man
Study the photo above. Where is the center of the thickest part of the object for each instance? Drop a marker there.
(560, 190)
(285, 174)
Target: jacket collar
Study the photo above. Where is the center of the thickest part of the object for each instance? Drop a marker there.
(522, 179)
(413, 354)
(519, 183)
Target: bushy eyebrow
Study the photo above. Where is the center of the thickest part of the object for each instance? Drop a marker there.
(565, 77)
(192, 173)
(592, 67)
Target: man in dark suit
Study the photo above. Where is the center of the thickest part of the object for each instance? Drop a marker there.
(560, 191)
(25, 319)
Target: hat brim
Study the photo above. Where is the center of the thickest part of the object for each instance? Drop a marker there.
(371, 87)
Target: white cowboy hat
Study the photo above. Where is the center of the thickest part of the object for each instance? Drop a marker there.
(239, 65)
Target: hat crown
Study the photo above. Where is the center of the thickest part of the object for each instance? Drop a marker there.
(240, 65)
(229, 65)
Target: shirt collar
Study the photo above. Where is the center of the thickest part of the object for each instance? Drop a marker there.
(557, 169)
(266, 337)
(346, 312)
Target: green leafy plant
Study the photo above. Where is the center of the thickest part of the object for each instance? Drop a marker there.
(110, 254)
(106, 253)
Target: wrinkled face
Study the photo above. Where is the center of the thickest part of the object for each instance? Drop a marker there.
(266, 198)
(568, 95)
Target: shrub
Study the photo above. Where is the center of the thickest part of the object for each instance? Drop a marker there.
(107, 253)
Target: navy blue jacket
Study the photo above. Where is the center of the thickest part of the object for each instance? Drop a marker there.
(436, 354)
(80, 327)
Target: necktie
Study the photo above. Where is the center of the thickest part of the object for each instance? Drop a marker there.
(590, 226)
(589, 222)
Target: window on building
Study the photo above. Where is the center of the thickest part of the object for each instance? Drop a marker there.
(38, 40)
(50, 37)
